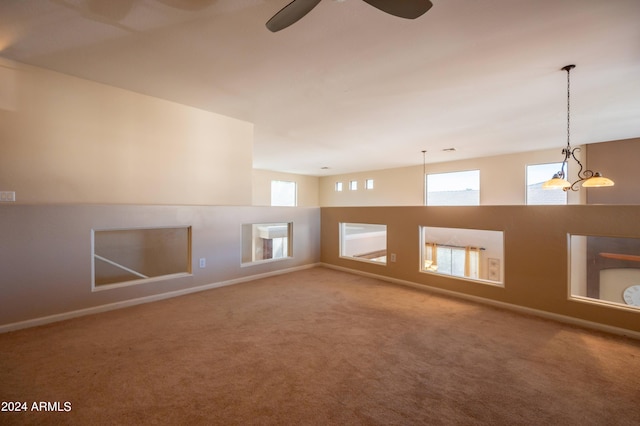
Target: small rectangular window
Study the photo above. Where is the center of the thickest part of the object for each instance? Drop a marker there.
(266, 242)
(364, 241)
(338, 186)
(467, 253)
(283, 193)
(130, 256)
(353, 185)
(368, 184)
(454, 188)
(605, 270)
(537, 174)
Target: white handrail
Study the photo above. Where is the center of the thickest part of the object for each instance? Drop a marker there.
(117, 265)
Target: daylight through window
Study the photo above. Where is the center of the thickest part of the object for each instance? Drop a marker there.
(467, 253)
(266, 242)
(283, 193)
(537, 174)
(364, 241)
(368, 184)
(454, 188)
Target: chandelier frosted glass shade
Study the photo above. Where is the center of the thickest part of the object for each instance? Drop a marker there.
(557, 182)
(597, 181)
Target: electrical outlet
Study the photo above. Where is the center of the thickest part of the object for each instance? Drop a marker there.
(7, 196)
(203, 262)
(393, 257)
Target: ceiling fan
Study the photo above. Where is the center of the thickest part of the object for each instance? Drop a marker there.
(294, 11)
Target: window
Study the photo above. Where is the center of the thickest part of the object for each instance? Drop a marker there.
(468, 253)
(364, 241)
(266, 242)
(605, 270)
(283, 193)
(537, 174)
(338, 186)
(130, 256)
(458, 261)
(353, 185)
(454, 189)
(368, 184)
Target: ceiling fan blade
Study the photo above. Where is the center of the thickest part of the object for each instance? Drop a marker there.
(410, 9)
(290, 14)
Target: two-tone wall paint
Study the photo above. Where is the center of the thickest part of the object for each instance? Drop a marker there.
(45, 254)
(83, 156)
(536, 253)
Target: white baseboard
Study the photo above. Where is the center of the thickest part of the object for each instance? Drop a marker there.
(146, 299)
(522, 309)
(152, 298)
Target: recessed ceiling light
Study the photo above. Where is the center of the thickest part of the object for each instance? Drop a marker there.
(324, 168)
(449, 150)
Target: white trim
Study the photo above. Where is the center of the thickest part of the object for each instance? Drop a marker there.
(498, 284)
(522, 309)
(365, 260)
(142, 278)
(146, 299)
(120, 284)
(602, 302)
(117, 265)
(263, 261)
(152, 298)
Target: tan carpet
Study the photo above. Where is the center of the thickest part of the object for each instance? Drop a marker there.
(319, 347)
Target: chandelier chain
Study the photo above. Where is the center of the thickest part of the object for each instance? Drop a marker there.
(587, 177)
(568, 108)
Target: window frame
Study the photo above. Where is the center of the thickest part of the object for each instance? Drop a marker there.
(249, 232)
(289, 203)
(343, 237)
(492, 245)
(368, 184)
(580, 259)
(458, 172)
(550, 192)
(142, 278)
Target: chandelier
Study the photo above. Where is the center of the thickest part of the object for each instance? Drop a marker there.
(588, 177)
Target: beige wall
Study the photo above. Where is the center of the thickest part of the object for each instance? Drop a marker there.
(392, 187)
(82, 155)
(68, 140)
(67, 143)
(536, 266)
(45, 253)
(502, 181)
(307, 187)
(617, 160)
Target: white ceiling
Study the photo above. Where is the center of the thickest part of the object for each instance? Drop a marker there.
(351, 88)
